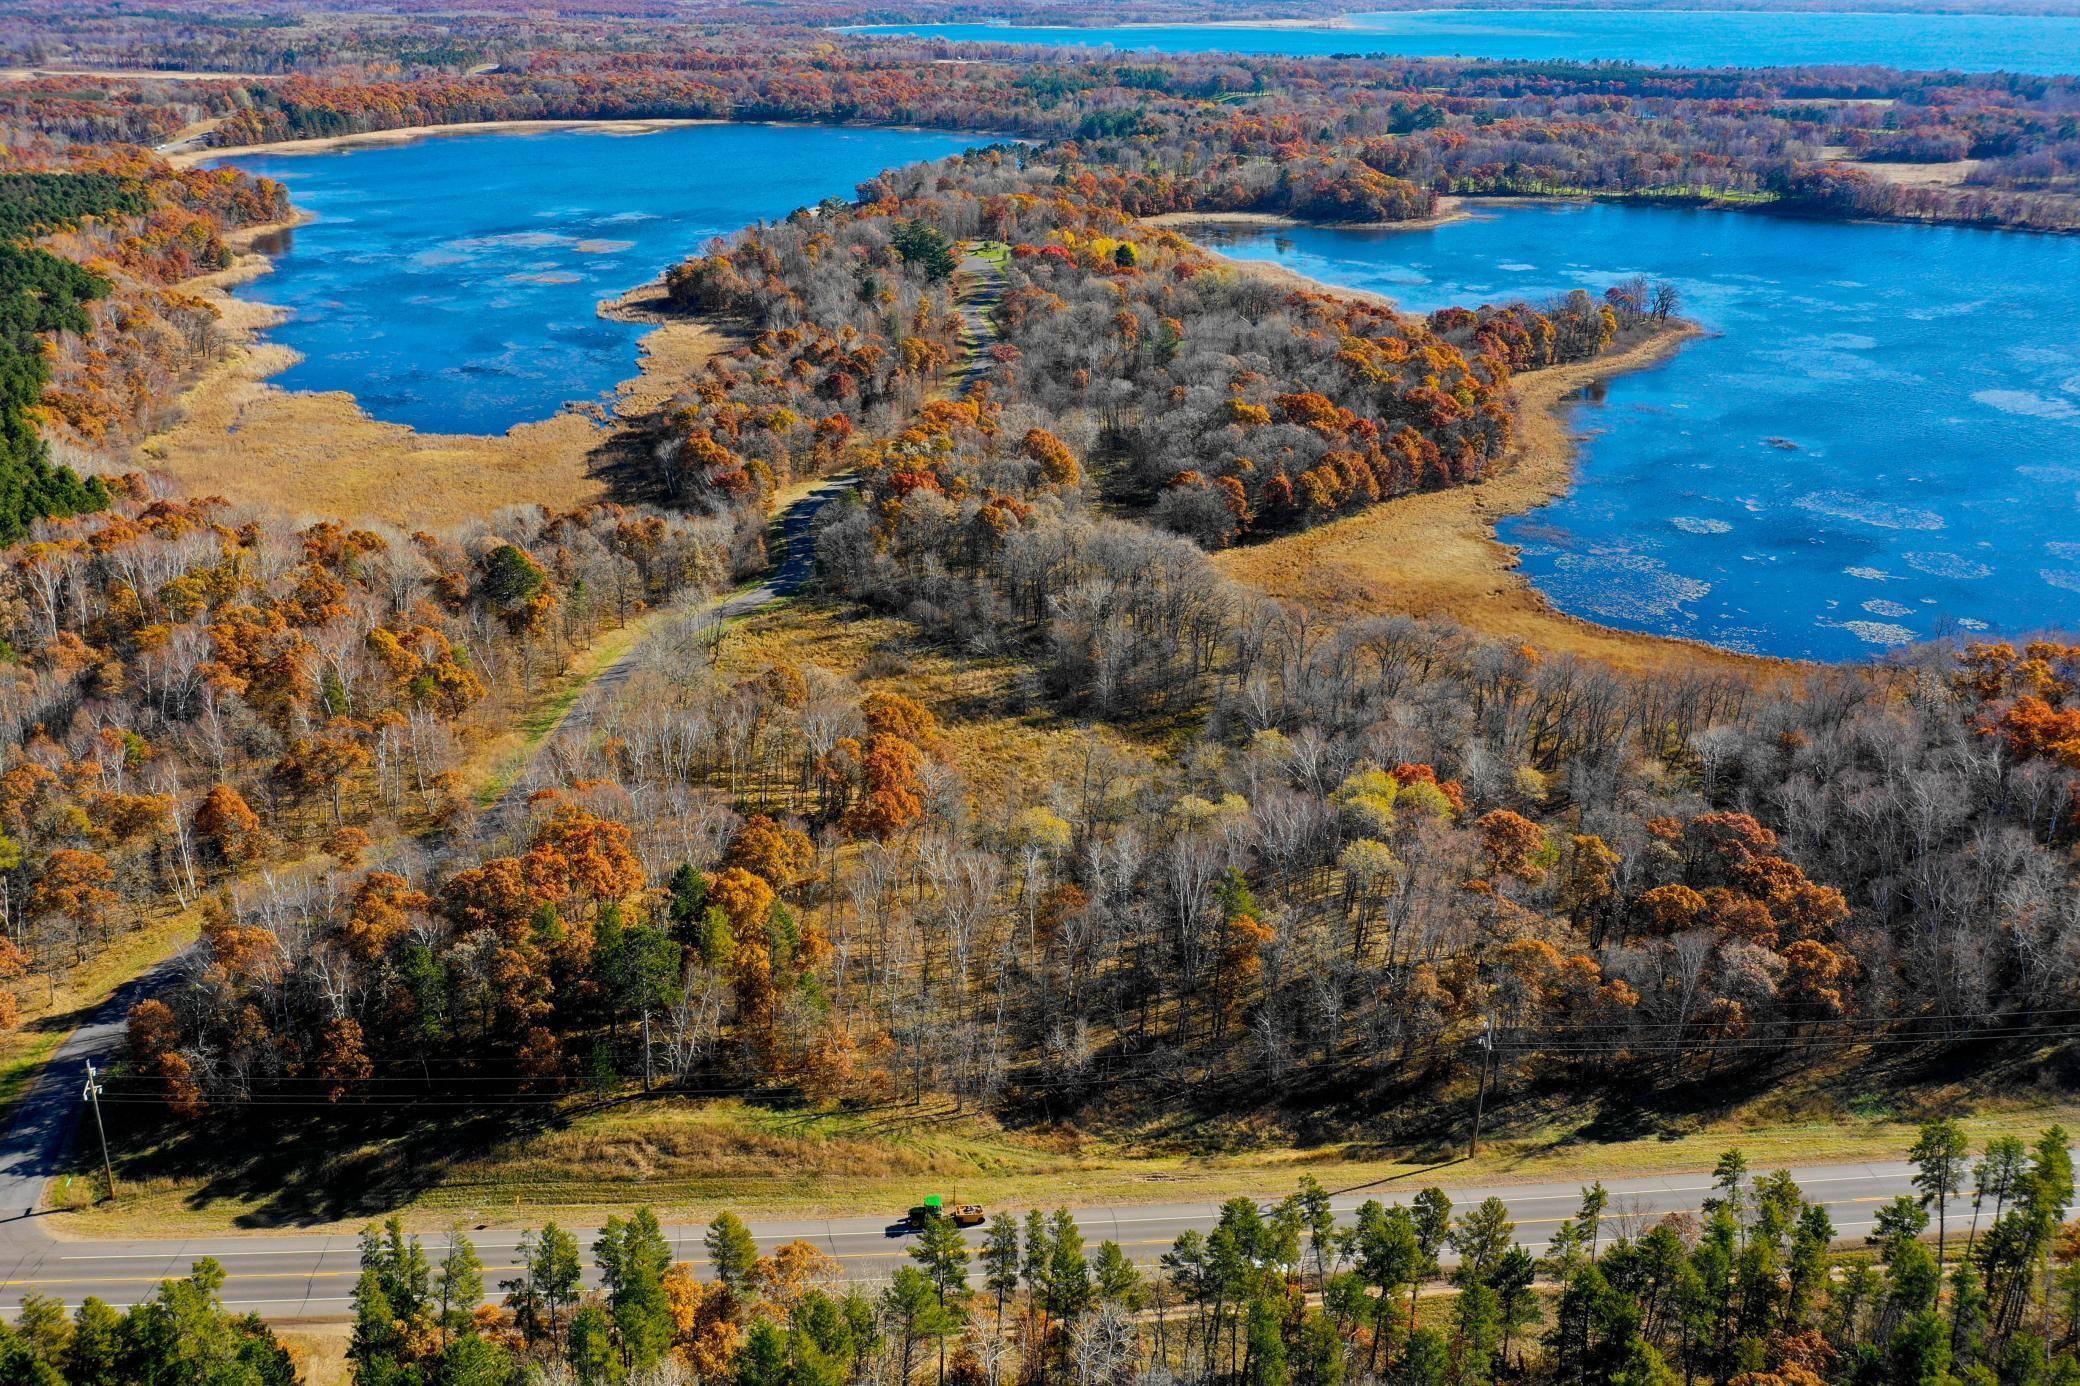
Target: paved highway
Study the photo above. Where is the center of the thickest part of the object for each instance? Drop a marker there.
(311, 1276)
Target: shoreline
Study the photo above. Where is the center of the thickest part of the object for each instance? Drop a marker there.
(1450, 208)
(1293, 281)
(326, 457)
(642, 304)
(407, 134)
(1328, 22)
(630, 125)
(1438, 553)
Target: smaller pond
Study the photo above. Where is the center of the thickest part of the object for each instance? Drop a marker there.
(1658, 38)
(1879, 444)
(452, 283)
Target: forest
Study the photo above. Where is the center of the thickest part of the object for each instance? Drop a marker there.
(1329, 139)
(1355, 844)
(1333, 873)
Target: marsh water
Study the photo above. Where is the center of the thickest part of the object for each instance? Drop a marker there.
(1878, 443)
(1661, 38)
(452, 283)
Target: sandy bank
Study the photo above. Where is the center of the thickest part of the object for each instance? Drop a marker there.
(1436, 553)
(406, 133)
(646, 302)
(130, 74)
(312, 455)
(1449, 209)
(1100, 26)
(1296, 282)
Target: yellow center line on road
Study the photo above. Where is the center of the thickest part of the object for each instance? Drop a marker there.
(232, 1277)
(228, 1280)
(879, 1254)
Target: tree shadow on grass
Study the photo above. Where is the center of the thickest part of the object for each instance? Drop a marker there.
(1424, 1117)
(625, 462)
(300, 1168)
(349, 1164)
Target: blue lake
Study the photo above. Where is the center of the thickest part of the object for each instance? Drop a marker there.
(1660, 38)
(452, 283)
(1879, 443)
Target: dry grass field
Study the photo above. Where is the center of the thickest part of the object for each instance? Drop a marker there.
(692, 1159)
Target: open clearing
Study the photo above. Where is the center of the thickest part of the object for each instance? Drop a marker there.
(997, 739)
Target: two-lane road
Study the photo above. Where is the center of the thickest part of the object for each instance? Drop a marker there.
(307, 1276)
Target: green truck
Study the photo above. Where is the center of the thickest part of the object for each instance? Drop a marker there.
(963, 1215)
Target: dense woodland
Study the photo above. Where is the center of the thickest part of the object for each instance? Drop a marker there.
(1383, 837)
(1282, 856)
(1364, 842)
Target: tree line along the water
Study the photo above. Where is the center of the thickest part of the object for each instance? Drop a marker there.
(1318, 139)
(1331, 139)
(1757, 1287)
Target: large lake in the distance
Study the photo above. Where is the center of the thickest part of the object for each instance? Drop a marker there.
(452, 283)
(1880, 442)
(1660, 38)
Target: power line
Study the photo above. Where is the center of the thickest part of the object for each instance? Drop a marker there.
(93, 1094)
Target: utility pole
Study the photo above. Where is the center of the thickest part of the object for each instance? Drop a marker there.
(646, 1051)
(93, 1095)
(1480, 1101)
